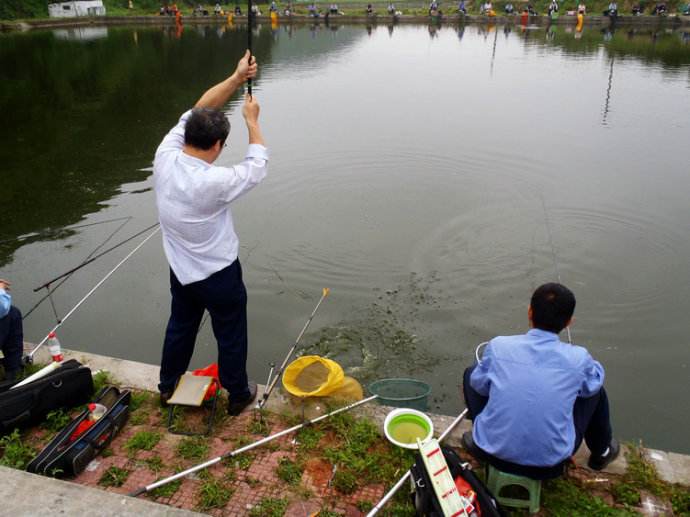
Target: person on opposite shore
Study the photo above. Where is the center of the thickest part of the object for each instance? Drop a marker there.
(11, 333)
(194, 198)
(533, 398)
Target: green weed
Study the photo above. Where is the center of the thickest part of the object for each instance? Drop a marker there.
(138, 399)
(101, 380)
(680, 499)
(563, 498)
(166, 491)
(364, 506)
(143, 440)
(107, 452)
(328, 513)
(269, 507)
(308, 438)
(289, 471)
(114, 476)
(258, 426)
(345, 482)
(155, 464)
(15, 453)
(213, 494)
(56, 420)
(193, 448)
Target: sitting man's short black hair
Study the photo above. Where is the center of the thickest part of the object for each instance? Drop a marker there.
(552, 307)
(205, 127)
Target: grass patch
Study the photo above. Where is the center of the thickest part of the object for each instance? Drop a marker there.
(308, 438)
(15, 453)
(241, 461)
(166, 491)
(258, 426)
(345, 482)
(364, 506)
(114, 476)
(328, 513)
(564, 498)
(101, 380)
(138, 399)
(107, 453)
(154, 464)
(193, 448)
(269, 507)
(142, 441)
(138, 418)
(290, 471)
(56, 420)
(213, 494)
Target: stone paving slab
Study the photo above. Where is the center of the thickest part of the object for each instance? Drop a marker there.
(55, 497)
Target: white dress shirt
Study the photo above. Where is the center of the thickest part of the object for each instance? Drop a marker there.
(193, 199)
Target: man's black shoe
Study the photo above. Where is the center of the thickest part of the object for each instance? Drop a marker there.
(165, 396)
(471, 447)
(598, 462)
(235, 407)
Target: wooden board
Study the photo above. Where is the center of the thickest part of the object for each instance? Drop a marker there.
(191, 390)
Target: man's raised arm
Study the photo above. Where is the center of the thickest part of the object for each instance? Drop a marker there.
(216, 96)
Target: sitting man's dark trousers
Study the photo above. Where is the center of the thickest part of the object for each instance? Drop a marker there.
(590, 416)
(224, 295)
(12, 342)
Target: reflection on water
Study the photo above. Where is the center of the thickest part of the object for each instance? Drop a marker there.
(408, 168)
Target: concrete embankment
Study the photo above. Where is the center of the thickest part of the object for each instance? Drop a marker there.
(643, 21)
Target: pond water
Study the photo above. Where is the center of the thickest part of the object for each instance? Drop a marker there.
(431, 177)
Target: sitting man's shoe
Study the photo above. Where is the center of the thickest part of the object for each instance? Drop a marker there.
(599, 461)
(469, 445)
(165, 396)
(235, 407)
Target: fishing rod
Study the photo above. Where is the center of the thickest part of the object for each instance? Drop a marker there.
(553, 252)
(29, 358)
(246, 448)
(250, 15)
(92, 259)
(407, 474)
(51, 290)
(271, 383)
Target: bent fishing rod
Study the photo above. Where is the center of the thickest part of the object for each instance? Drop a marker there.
(246, 448)
(29, 358)
(389, 495)
(272, 380)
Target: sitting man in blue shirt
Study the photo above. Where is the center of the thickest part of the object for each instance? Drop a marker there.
(533, 398)
(11, 333)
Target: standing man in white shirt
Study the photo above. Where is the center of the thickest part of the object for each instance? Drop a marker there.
(200, 243)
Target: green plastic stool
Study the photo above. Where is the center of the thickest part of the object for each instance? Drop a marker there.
(497, 480)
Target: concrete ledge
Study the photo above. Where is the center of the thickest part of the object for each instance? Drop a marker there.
(24, 494)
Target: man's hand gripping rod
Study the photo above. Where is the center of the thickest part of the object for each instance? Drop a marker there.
(273, 379)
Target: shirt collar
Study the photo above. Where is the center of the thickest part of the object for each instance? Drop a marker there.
(193, 160)
(545, 334)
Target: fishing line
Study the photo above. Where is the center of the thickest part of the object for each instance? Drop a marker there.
(29, 357)
(87, 262)
(48, 287)
(553, 252)
(48, 232)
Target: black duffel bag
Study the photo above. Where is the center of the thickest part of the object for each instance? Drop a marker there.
(67, 457)
(68, 386)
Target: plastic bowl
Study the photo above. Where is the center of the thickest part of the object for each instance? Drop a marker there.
(407, 415)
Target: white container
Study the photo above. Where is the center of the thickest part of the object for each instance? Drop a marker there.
(407, 415)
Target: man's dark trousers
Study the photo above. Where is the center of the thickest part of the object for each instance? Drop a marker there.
(590, 416)
(224, 296)
(12, 340)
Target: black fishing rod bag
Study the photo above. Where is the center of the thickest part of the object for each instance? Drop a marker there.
(68, 456)
(424, 498)
(68, 386)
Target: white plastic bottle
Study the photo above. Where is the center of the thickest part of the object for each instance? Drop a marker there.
(54, 347)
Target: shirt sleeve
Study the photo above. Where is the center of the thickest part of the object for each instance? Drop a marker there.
(593, 377)
(5, 303)
(174, 140)
(480, 380)
(244, 176)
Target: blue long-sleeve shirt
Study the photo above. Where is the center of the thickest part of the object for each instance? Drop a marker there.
(5, 303)
(532, 381)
